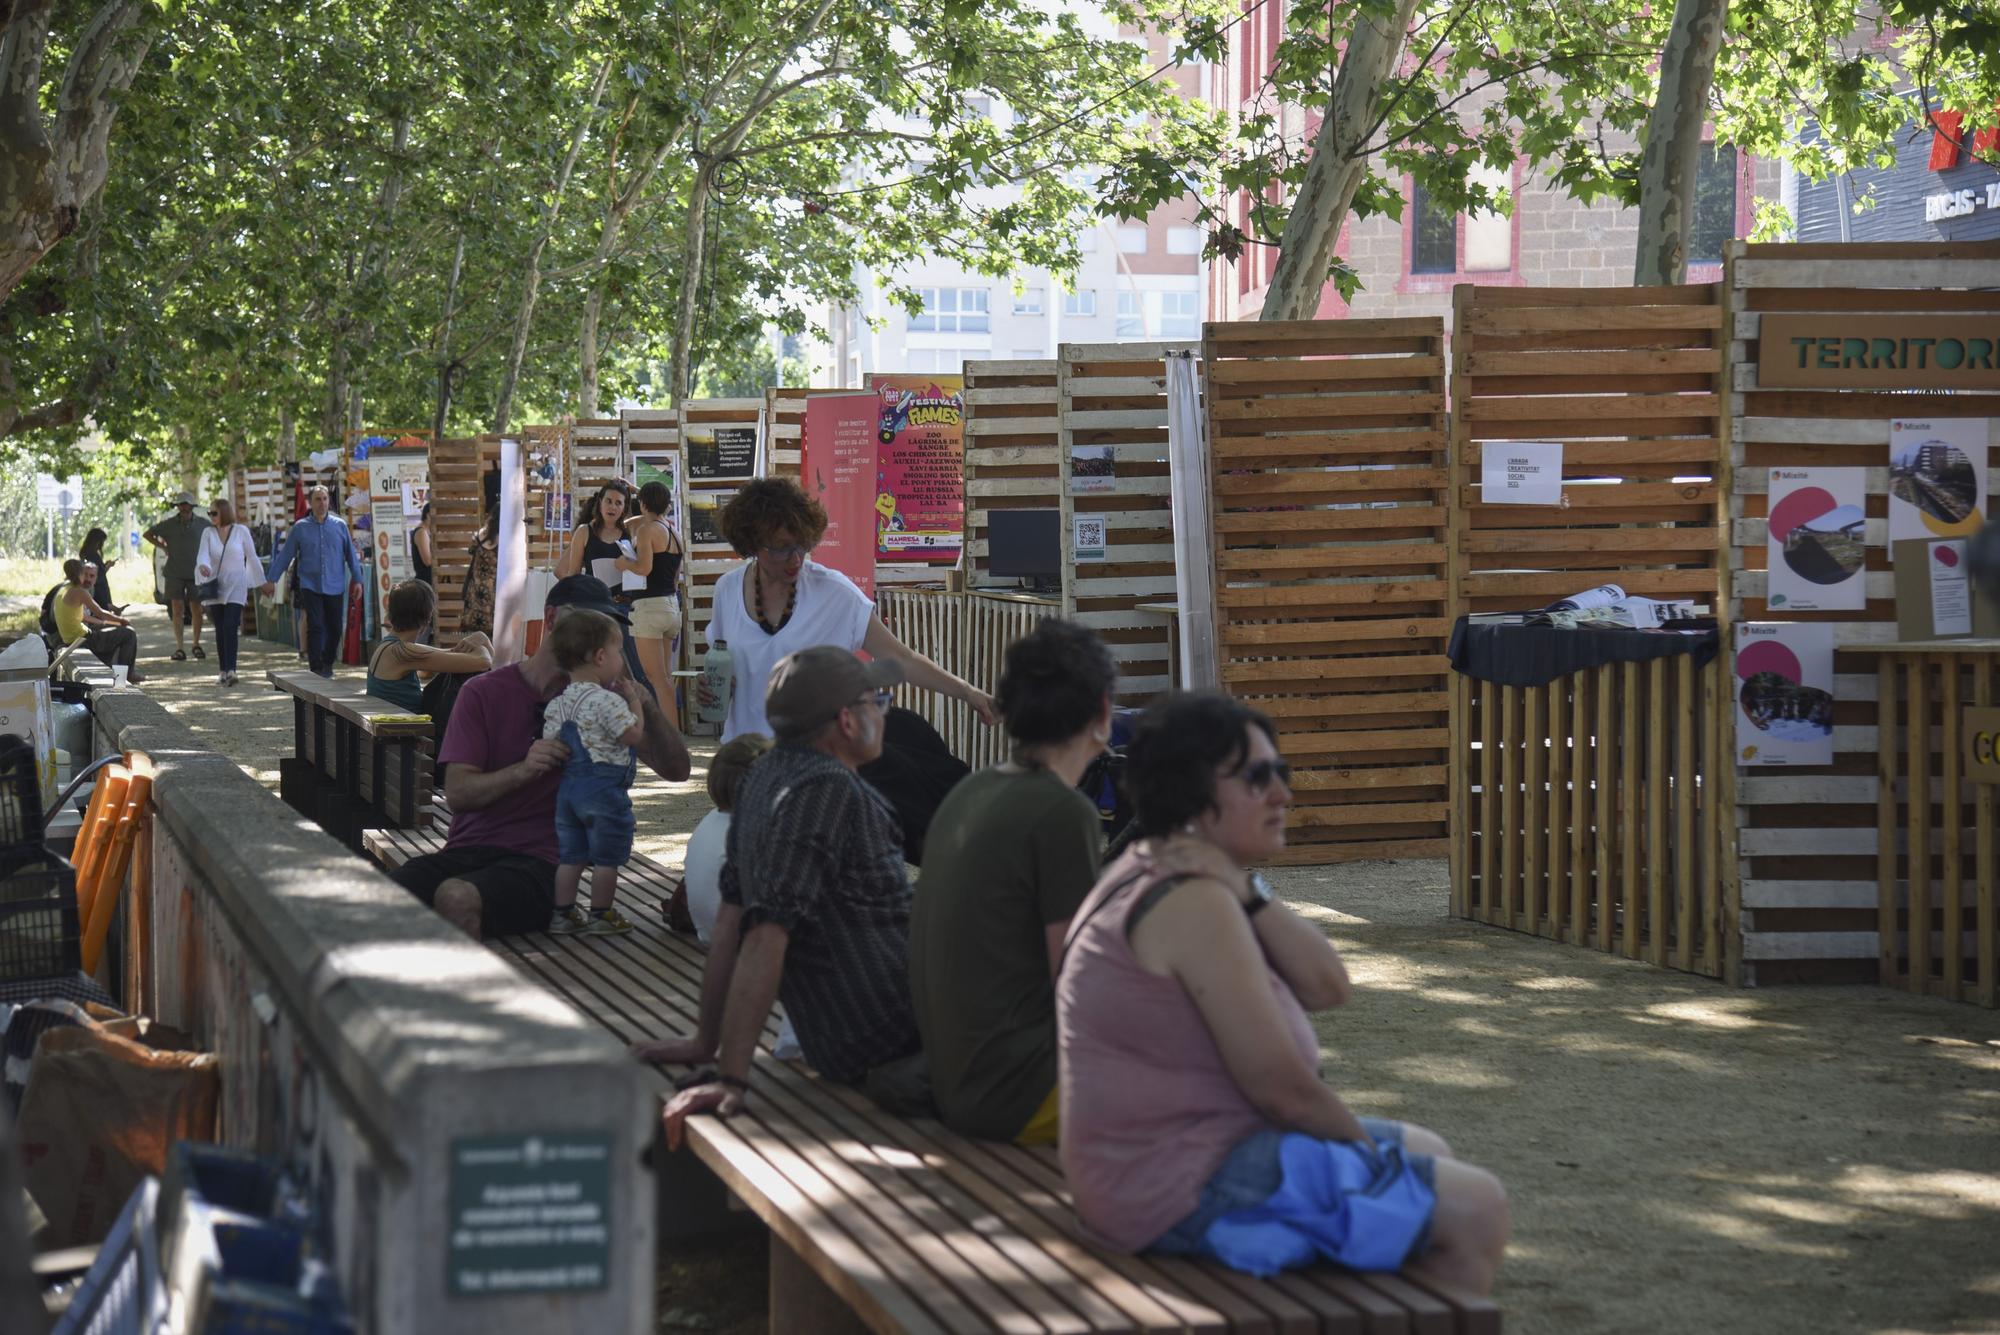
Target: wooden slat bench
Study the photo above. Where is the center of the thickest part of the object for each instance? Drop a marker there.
(882, 1223)
(358, 762)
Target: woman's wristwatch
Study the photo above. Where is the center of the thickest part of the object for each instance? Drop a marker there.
(1259, 896)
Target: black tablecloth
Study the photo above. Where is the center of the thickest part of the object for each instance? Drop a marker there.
(1536, 655)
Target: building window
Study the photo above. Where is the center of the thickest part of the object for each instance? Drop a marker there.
(1031, 354)
(1445, 243)
(940, 361)
(1131, 316)
(1028, 301)
(1131, 239)
(1180, 315)
(1434, 245)
(1714, 221)
(1082, 303)
(1183, 241)
(952, 310)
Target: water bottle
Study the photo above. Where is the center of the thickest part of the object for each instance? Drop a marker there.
(718, 674)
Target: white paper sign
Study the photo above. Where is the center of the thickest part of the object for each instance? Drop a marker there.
(1951, 594)
(1784, 693)
(633, 580)
(1089, 531)
(416, 495)
(1816, 544)
(1937, 477)
(1520, 473)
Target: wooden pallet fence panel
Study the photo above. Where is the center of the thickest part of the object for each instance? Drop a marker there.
(1013, 432)
(596, 456)
(966, 633)
(1327, 458)
(1813, 868)
(1600, 780)
(457, 511)
(1113, 397)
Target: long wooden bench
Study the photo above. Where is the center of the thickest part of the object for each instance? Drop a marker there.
(881, 1223)
(358, 762)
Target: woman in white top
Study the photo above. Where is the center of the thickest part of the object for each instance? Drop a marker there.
(229, 557)
(779, 602)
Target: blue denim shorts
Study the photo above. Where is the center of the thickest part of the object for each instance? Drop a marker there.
(1396, 1201)
(594, 820)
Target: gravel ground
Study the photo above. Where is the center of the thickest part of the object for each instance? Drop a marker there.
(1680, 1156)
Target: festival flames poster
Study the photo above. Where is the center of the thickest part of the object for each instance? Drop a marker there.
(920, 468)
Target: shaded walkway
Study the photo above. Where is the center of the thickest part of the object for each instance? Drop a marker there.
(1680, 1156)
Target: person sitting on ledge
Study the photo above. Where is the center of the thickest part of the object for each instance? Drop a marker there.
(416, 677)
(1194, 1120)
(815, 902)
(73, 607)
(496, 875)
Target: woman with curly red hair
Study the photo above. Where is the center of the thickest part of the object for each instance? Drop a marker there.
(780, 601)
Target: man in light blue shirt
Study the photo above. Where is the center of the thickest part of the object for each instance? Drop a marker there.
(324, 552)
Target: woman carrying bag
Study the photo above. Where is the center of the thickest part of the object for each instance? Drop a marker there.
(226, 570)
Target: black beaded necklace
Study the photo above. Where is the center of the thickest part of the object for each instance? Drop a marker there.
(757, 603)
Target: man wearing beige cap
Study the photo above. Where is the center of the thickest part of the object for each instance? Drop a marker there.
(179, 536)
(815, 904)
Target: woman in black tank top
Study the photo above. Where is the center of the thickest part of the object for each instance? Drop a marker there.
(597, 537)
(656, 608)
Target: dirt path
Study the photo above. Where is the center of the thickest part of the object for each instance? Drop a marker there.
(1791, 1161)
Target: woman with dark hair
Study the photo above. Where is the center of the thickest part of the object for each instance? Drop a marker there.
(1194, 1120)
(656, 603)
(423, 552)
(91, 553)
(1012, 851)
(779, 601)
(402, 662)
(476, 598)
(595, 544)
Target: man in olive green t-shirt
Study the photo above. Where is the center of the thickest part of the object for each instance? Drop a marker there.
(1012, 852)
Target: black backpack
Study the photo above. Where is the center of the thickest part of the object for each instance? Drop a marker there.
(48, 622)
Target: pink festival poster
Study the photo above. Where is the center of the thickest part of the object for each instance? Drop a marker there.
(920, 473)
(838, 467)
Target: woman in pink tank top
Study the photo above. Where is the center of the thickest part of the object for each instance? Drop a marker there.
(1194, 1119)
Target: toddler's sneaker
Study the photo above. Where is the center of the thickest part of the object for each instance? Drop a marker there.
(608, 923)
(568, 922)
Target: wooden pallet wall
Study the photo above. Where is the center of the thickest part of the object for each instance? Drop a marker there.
(784, 430)
(1013, 433)
(596, 456)
(708, 562)
(967, 634)
(1808, 840)
(1116, 394)
(1327, 446)
(545, 546)
(458, 509)
(1618, 760)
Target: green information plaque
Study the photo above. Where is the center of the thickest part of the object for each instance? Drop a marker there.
(530, 1213)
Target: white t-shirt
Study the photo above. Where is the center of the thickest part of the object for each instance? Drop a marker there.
(831, 610)
(703, 872)
(601, 718)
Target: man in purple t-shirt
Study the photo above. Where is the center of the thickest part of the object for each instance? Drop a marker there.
(496, 875)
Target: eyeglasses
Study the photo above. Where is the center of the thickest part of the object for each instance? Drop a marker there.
(786, 553)
(1259, 775)
(880, 699)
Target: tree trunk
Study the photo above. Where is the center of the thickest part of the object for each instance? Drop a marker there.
(48, 179)
(445, 364)
(531, 278)
(1339, 164)
(616, 213)
(288, 435)
(693, 252)
(333, 415)
(1672, 159)
(586, 351)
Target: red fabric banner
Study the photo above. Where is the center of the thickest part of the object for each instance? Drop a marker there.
(838, 466)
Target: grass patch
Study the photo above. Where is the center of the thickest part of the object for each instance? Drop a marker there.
(29, 577)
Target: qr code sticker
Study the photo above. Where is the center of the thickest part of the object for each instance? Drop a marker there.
(1090, 532)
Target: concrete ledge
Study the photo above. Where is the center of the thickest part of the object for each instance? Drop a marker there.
(420, 1035)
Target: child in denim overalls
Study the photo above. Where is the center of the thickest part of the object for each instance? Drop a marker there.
(594, 805)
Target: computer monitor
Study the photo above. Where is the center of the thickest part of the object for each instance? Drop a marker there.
(1024, 544)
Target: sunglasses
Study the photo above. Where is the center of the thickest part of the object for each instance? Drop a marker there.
(1259, 775)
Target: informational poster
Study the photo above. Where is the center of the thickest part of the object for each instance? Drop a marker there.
(704, 522)
(1514, 472)
(920, 467)
(721, 453)
(555, 512)
(1784, 693)
(1088, 531)
(839, 445)
(1817, 540)
(1951, 592)
(529, 1214)
(392, 475)
(1937, 477)
(416, 495)
(1093, 470)
(662, 466)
